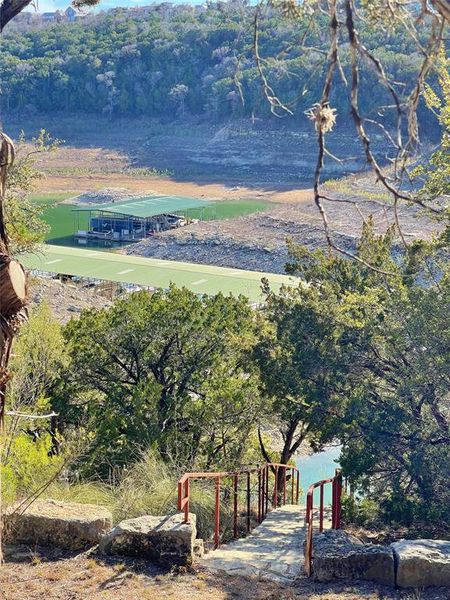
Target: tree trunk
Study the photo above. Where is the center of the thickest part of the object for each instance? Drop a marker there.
(13, 286)
(13, 290)
(289, 449)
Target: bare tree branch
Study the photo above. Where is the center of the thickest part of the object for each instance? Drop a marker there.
(10, 9)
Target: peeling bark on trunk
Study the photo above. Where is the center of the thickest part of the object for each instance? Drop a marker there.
(13, 290)
(13, 286)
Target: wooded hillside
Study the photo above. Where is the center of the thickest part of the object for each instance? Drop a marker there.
(168, 60)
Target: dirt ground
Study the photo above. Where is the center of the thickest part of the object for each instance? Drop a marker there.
(31, 576)
(217, 162)
(72, 169)
(78, 184)
(66, 300)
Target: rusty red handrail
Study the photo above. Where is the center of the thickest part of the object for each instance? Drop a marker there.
(279, 496)
(336, 483)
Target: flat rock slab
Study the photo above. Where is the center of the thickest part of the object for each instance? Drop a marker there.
(422, 563)
(163, 539)
(66, 525)
(338, 555)
(274, 549)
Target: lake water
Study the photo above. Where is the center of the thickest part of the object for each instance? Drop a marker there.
(316, 467)
(64, 221)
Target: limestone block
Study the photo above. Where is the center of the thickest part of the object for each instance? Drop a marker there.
(339, 555)
(422, 563)
(66, 525)
(164, 539)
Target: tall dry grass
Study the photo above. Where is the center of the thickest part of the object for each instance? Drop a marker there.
(149, 487)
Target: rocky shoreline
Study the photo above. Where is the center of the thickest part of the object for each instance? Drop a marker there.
(257, 241)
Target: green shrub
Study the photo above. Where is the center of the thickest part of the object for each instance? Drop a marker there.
(360, 511)
(28, 466)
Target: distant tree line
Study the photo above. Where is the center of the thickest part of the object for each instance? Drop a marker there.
(184, 60)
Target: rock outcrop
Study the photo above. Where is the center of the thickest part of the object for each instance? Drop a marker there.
(167, 539)
(341, 556)
(422, 563)
(66, 525)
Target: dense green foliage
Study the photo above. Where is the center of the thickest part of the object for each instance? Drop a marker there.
(166, 369)
(390, 382)
(26, 228)
(28, 458)
(355, 355)
(298, 352)
(165, 59)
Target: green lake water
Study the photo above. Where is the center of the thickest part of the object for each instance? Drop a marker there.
(64, 221)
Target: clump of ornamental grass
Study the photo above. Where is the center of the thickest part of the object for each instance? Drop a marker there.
(150, 487)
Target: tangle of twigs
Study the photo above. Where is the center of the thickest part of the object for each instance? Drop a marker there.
(342, 16)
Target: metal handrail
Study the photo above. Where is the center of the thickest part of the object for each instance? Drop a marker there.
(336, 483)
(278, 495)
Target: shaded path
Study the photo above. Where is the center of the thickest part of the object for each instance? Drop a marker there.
(274, 549)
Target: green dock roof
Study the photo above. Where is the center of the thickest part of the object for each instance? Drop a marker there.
(151, 272)
(149, 206)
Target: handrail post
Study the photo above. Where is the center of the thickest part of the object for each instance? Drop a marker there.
(235, 505)
(248, 501)
(187, 498)
(338, 497)
(180, 491)
(217, 514)
(309, 532)
(333, 504)
(275, 489)
(321, 509)
(263, 489)
(298, 487)
(292, 485)
(308, 508)
(309, 549)
(259, 496)
(284, 485)
(267, 488)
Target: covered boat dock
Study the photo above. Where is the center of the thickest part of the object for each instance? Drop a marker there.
(134, 219)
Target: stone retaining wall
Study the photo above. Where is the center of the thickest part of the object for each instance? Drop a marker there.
(67, 525)
(405, 564)
(168, 540)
